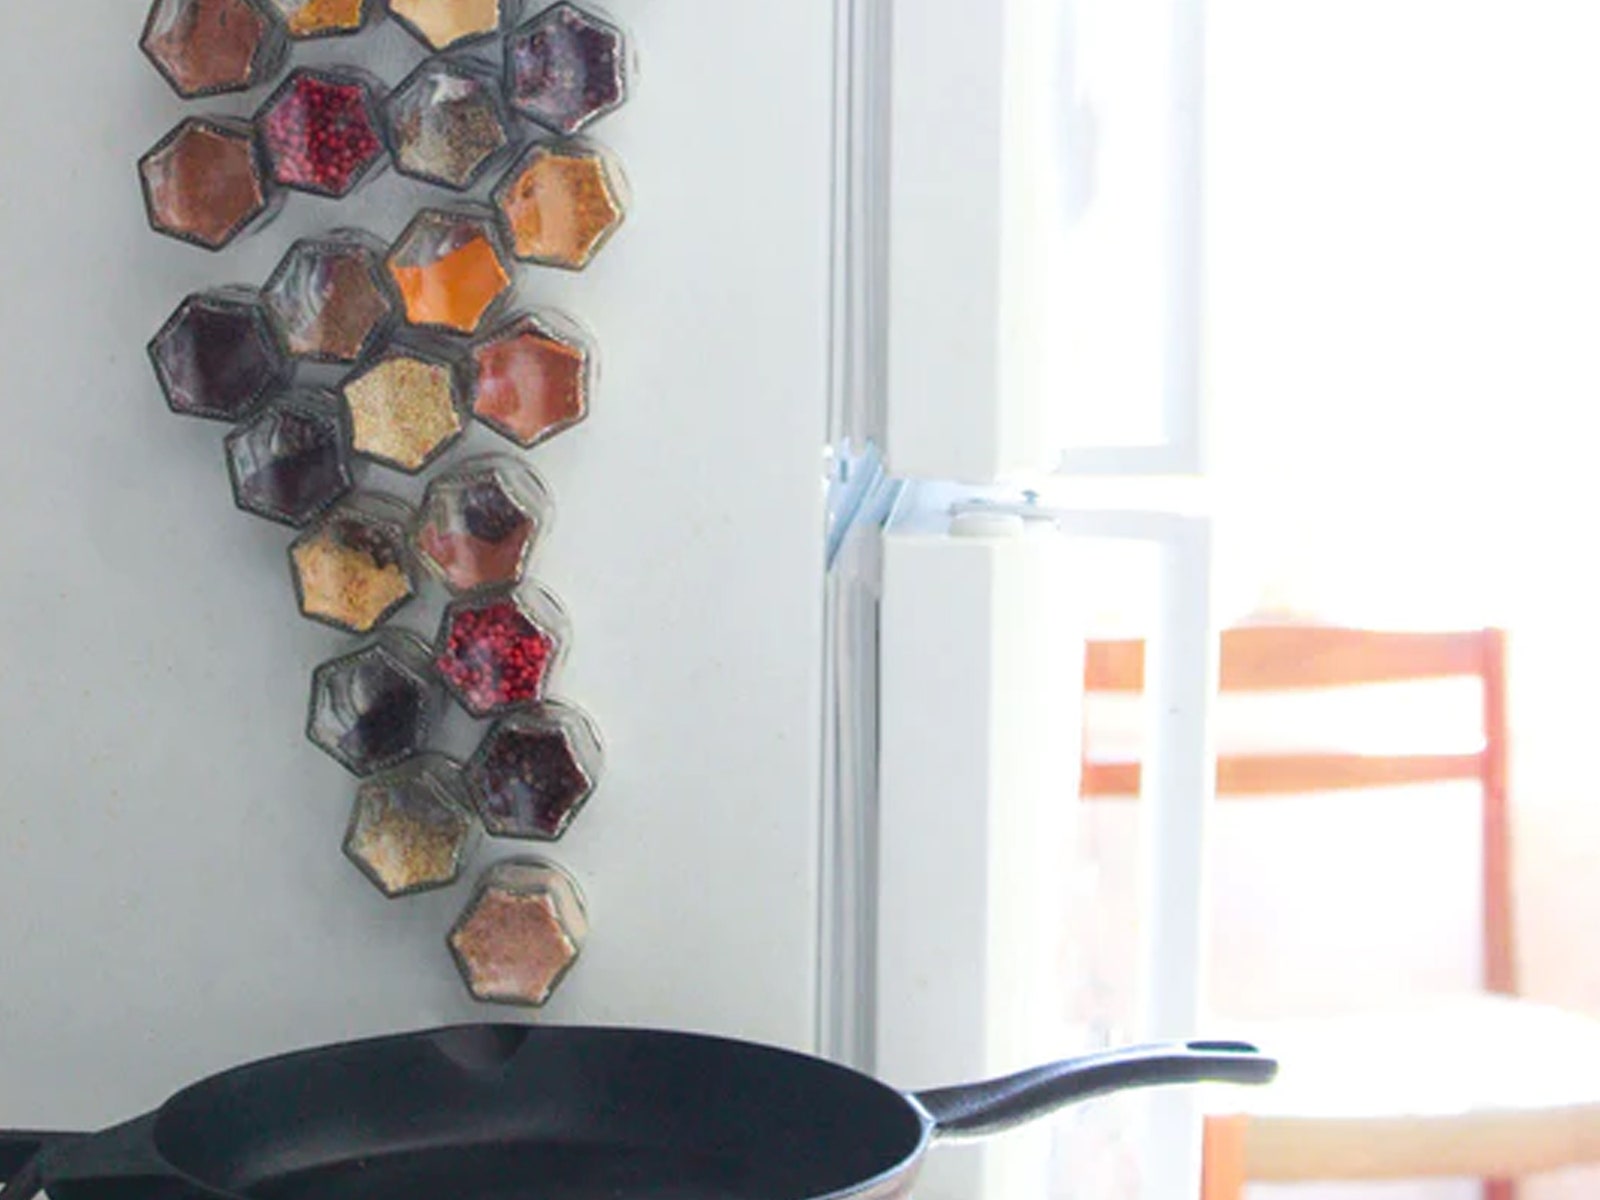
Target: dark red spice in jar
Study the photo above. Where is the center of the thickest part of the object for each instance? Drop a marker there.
(566, 68)
(535, 771)
(320, 132)
(216, 356)
(374, 708)
(291, 462)
(498, 652)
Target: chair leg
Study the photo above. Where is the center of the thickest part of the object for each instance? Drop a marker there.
(1222, 1159)
(1499, 1189)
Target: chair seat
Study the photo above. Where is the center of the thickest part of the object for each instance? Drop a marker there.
(1482, 1086)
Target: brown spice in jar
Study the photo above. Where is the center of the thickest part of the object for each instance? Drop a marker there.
(204, 184)
(560, 207)
(350, 581)
(513, 947)
(405, 835)
(206, 46)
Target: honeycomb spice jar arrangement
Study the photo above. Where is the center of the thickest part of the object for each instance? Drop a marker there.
(428, 342)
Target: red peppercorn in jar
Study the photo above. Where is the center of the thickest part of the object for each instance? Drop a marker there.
(320, 130)
(497, 652)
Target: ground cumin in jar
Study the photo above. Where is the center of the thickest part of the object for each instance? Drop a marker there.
(353, 569)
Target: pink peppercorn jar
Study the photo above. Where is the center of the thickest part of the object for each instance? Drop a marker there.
(321, 130)
(497, 652)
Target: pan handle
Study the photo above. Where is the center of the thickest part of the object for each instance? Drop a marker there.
(980, 1109)
(20, 1151)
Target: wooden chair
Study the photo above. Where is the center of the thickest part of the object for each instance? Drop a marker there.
(1486, 1085)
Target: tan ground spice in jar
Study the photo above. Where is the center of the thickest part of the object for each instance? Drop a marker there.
(404, 411)
(443, 23)
(309, 18)
(348, 583)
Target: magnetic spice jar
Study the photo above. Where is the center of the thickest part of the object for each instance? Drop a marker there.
(566, 68)
(374, 708)
(447, 123)
(328, 298)
(207, 47)
(559, 204)
(353, 569)
(532, 378)
(216, 356)
(323, 18)
(405, 407)
(498, 651)
(535, 771)
(290, 463)
(319, 130)
(411, 829)
(449, 269)
(445, 24)
(521, 933)
(481, 521)
(205, 184)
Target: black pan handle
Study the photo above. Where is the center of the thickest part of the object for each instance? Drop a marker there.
(979, 1109)
(19, 1146)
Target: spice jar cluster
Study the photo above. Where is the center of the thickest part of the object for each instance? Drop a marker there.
(424, 340)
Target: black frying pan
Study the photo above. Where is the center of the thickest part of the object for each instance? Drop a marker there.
(504, 1112)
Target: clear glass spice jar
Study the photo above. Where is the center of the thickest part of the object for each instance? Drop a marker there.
(320, 130)
(448, 123)
(374, 708)
(450, 270)
(309, 19)
(532, 378)
(329, 297)
(534, 771)
(446, 24)
(354, 569)
(481, 521)
(567, 67)
(290, 463)
(498, 651)
(216, 356)
(412, 829)
(521, 933)
(206, 184)
(560, 203)
(405, 407)
(208, 47)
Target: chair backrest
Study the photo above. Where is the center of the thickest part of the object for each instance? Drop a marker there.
(1282, 658)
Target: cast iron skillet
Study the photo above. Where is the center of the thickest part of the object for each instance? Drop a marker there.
(505, 1112)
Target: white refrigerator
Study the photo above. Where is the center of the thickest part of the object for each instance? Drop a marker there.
(900, 325)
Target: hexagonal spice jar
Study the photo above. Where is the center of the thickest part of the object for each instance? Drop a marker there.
(411, 829)
(208, 47)
(481, 521)
(329, 298)
(561, 203)
(320, 130)
(567, 67)
(450, 269)
(290, 463)
(374, 708)
(307, 19)
(532, 378)
(206, 184)
(448, 123)
(446, 24)
(354, 570)
(498, 651)
(534, 771)
(216, 356)
(521, 933)
(405, 408)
